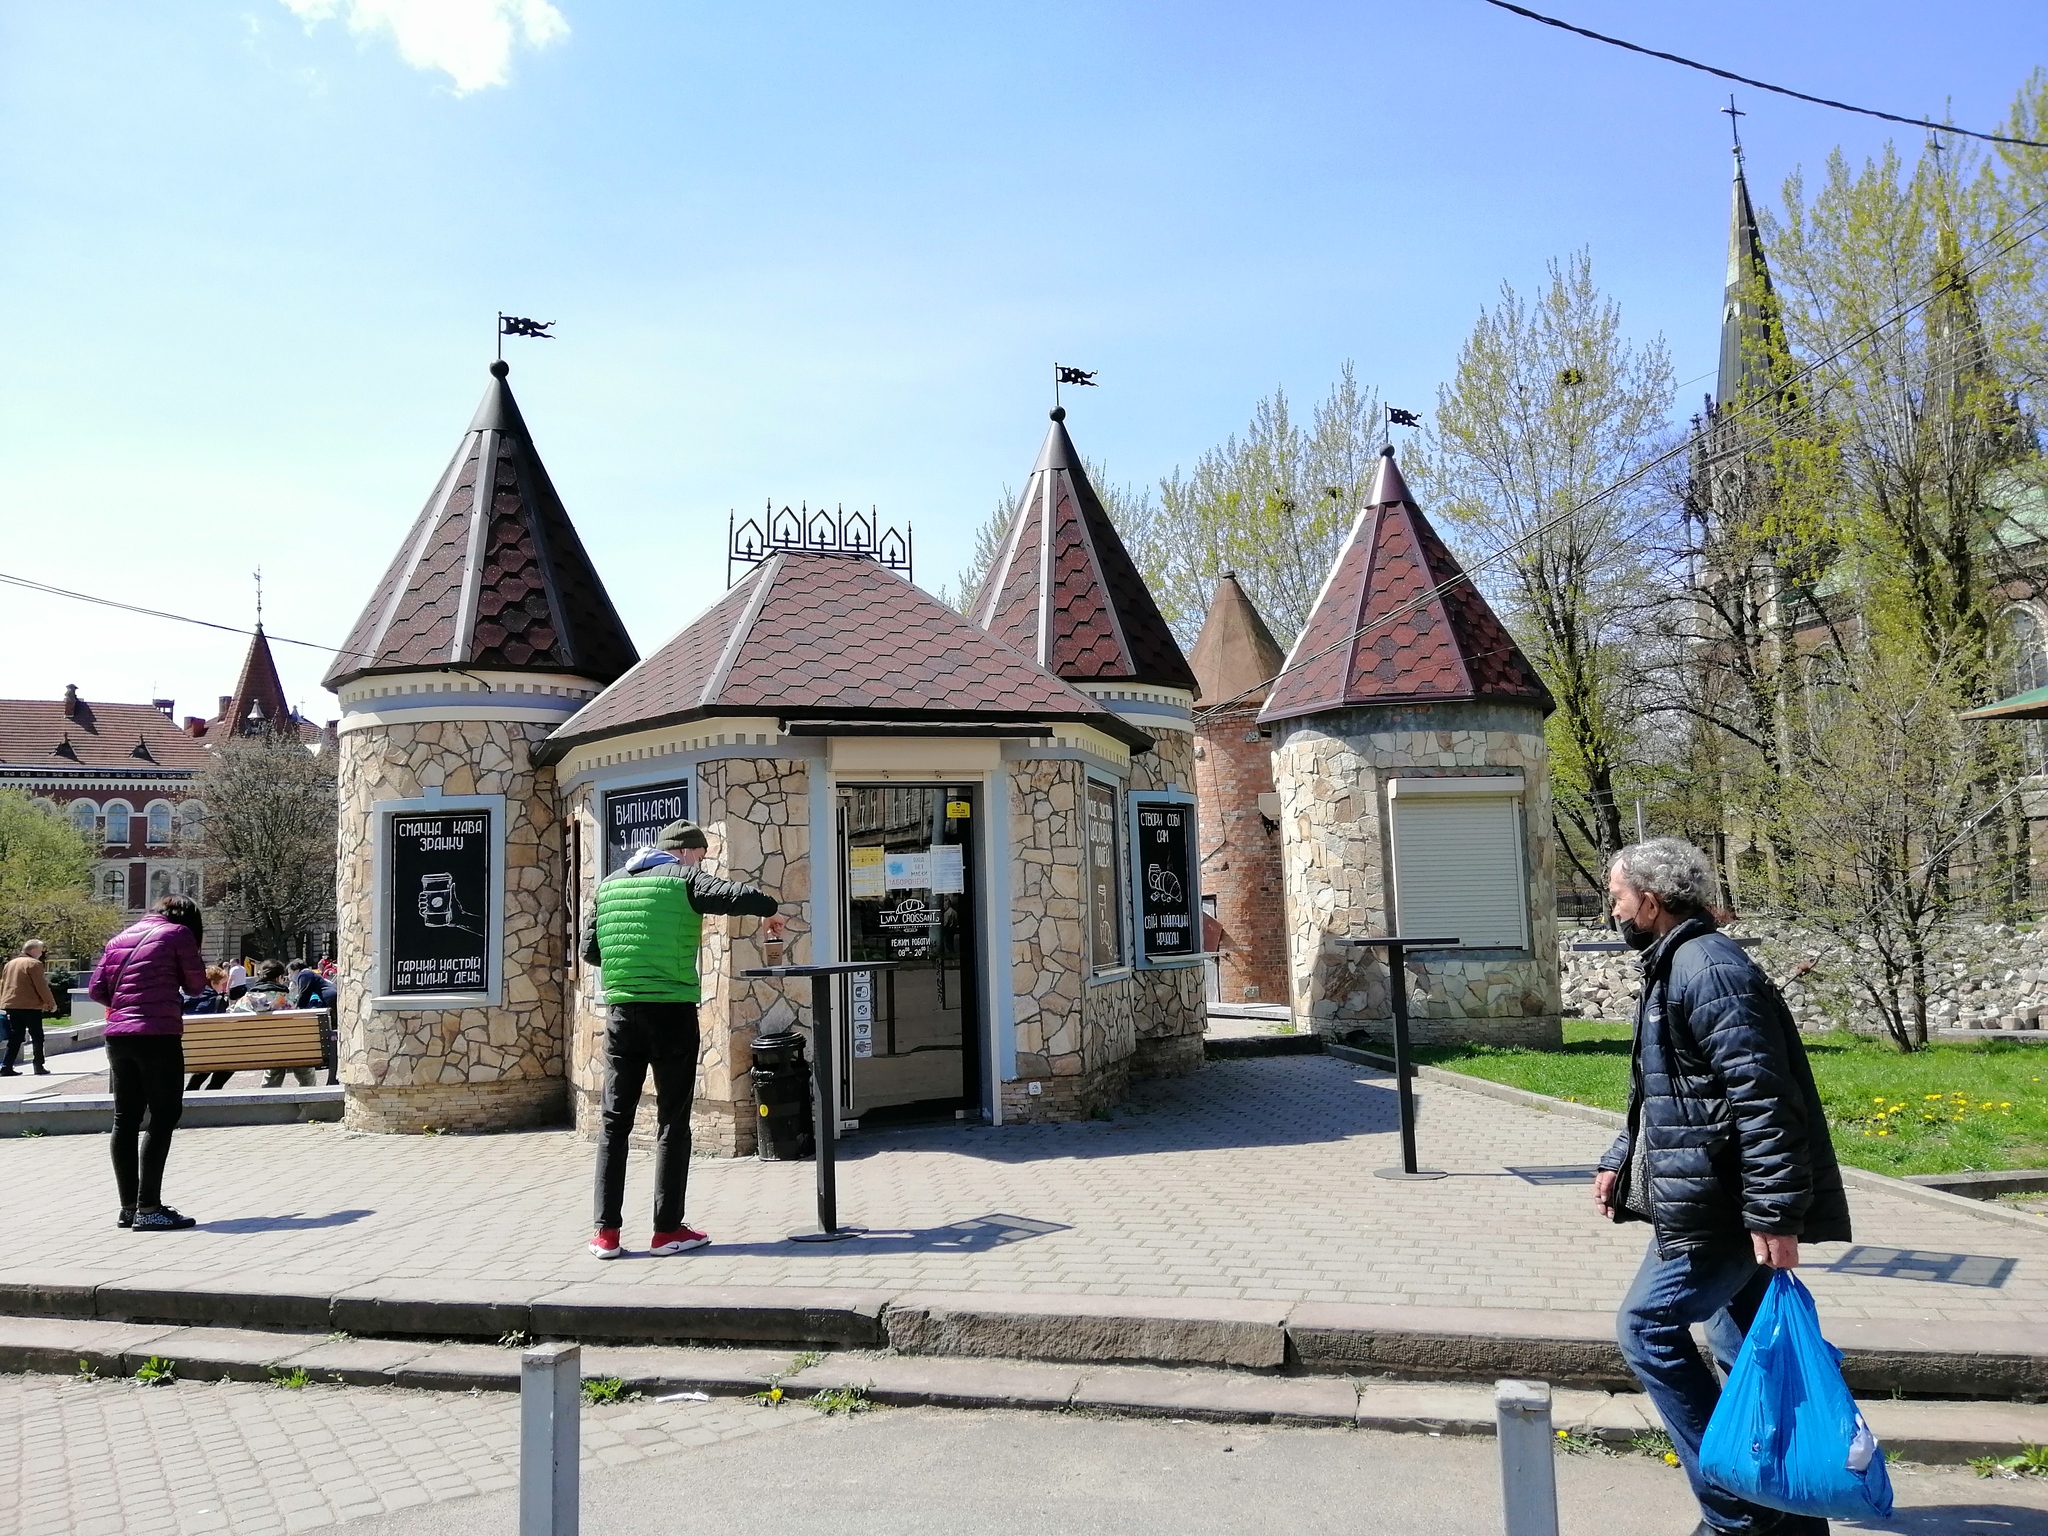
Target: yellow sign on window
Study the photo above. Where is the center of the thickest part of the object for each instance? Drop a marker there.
(958, 810)
(864, 873)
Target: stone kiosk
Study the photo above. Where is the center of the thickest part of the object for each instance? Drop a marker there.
(1415, 794)
(489, 629)
(1002, 804)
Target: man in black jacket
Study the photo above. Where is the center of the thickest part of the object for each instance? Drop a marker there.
(1726, 1154)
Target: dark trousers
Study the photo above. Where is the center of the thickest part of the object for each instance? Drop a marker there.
(643, 1035)
(23, 1024)
(147, 1075)
(1720, 1287)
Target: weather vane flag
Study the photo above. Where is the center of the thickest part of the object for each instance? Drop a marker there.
(1062, 374)
(1396, 417)
(519, 325)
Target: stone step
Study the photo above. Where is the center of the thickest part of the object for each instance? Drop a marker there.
(88, 1114)
(1915, 1431)
(1949, 1360)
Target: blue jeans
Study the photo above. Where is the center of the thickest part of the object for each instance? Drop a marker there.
(1722, 1288)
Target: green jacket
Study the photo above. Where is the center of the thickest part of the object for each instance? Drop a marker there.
(649, 922)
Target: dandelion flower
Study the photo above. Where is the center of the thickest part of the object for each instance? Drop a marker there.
(1884, 1133)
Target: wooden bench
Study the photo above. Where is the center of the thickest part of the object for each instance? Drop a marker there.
(256, 1042)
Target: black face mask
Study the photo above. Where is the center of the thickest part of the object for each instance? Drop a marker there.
(1635, 937)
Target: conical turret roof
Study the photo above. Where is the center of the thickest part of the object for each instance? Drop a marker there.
(1397, 623)
(1235, 655)
(257, 704)
(1063, 589)
(498, 581)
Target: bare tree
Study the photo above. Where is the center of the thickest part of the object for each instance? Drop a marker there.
(271, 815)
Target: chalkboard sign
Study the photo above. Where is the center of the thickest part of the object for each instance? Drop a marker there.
(634, 817)
(438, 869)
(1162, 844)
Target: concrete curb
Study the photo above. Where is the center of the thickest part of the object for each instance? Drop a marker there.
(87, 1114)
(1298, 1339)
(1856, 1178)
(1927, 1432)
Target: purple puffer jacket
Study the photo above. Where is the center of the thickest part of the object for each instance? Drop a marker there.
(140, 975)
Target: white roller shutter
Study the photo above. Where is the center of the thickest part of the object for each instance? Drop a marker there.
(1458, 867)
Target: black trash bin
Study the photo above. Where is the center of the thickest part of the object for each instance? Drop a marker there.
(782, 1090)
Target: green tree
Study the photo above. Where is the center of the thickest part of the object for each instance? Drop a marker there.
(1130, 507)
(1550, 406)
(46, 883)
(1274, 505)
(270, 836)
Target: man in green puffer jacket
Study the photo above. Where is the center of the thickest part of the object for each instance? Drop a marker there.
(648, 924)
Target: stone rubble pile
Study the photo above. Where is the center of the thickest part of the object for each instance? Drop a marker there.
(1988, 976)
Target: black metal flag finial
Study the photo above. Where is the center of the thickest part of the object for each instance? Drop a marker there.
(1396, 417)
(1062, 374)
(519, 325)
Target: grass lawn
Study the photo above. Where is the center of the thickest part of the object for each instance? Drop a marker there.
(1952, 1107)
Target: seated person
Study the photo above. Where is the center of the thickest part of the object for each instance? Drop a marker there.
(212, 1000)
(267, 994)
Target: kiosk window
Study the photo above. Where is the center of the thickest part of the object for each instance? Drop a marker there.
(1105, 880)
(1458, 868)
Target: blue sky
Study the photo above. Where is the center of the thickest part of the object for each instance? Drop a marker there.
(253, 253)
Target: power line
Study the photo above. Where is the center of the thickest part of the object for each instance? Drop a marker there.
(159, 613)
(1762, 85)
(2014, 235)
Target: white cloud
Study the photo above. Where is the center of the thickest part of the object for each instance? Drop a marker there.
(470, 41)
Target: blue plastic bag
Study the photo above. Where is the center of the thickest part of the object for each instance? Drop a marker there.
(1786, 1433)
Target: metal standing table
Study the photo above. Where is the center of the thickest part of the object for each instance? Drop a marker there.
(1397, 947)
(824, 1084)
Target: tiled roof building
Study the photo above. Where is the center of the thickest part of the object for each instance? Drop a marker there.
(812, 637)
(1398, 623)
(491, 582)
(1414, 785)
(1234, 660)
(1063, 589)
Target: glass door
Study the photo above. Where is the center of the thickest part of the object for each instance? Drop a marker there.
(910, 1043)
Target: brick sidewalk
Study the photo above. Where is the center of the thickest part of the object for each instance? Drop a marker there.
(1250, 1180)
(109, 1458)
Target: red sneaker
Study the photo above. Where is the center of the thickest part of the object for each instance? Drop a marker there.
(682, 1240)
(604, 1244)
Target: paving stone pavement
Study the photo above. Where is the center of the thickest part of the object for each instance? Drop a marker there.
(1251, 1179)
(111, 1458)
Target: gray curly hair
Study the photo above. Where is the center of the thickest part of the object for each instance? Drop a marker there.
(1679, 875)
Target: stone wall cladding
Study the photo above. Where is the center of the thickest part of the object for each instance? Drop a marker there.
(1082, 1039)
(470, 1068)
(1990, 976)
(1331, 772)
(756, 814)
(1241, 862)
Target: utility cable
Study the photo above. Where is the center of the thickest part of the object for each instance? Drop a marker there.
(1762, 85)
(159, 613)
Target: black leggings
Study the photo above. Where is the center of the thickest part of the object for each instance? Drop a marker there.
(147, 1073)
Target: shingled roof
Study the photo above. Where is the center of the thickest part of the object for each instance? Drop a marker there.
(1235, 654)
(258, 702)
(511, 590)
(816, 637)
(72, 735)
(1449, 647)
(1081, 611)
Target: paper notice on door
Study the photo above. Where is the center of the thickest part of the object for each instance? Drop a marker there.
(864, 873)
(910, 871)
(948, 874)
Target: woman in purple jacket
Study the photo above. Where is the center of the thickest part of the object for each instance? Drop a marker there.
(141, 979)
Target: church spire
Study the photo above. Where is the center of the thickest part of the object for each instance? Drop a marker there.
(1744, 373)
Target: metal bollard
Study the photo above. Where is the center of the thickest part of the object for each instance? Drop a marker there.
(550, 1409)
(1528, 1474)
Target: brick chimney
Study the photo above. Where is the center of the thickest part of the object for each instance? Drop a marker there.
(165, 707)
(194, 727)
(71, 701)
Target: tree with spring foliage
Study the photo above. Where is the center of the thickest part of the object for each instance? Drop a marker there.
(46, 883)
(1552, 405)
